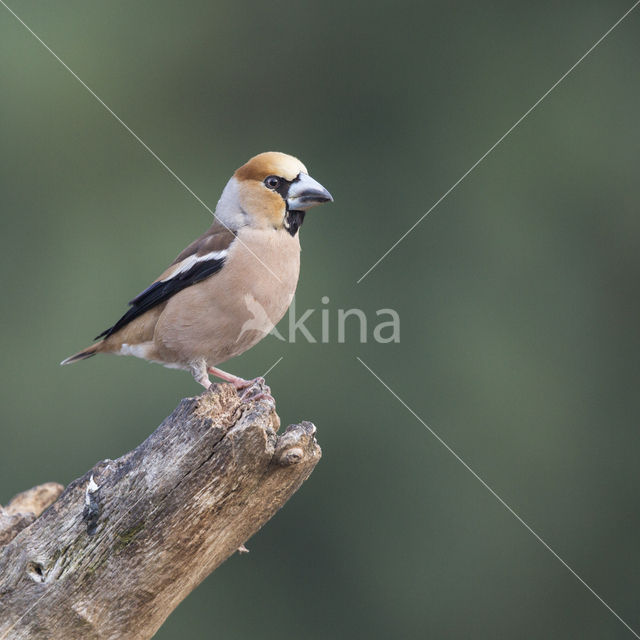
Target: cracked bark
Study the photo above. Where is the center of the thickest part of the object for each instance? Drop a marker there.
(123, 545)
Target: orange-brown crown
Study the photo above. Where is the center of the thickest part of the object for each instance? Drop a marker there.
(270, 163)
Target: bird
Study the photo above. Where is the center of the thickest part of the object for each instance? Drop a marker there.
(228, 289)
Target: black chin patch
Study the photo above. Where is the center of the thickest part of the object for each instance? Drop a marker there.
(294, 220)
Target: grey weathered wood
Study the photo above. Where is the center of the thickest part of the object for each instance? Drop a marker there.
(125, 543)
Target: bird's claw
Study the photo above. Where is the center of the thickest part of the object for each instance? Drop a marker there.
(260, 396)
(255, 390)
(241, 384)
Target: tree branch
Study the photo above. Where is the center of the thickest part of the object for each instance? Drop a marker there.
(127, 542)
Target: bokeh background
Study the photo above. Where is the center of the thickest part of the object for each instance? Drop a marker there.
(518, 294)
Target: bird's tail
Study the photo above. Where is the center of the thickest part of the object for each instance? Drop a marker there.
(84, 354)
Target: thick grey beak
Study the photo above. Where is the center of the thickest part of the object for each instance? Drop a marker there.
(305, 192)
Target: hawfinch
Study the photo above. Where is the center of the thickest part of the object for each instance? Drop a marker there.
(229, 288)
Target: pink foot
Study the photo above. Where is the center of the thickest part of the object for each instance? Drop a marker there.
(262, 393)
(240, 384)
(252, 394)
(236, 381)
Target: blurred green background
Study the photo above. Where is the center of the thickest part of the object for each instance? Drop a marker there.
(518, 294)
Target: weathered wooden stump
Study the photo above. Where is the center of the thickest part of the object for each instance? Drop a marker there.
(113, 554)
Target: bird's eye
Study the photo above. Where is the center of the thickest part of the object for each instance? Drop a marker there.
(272, 182)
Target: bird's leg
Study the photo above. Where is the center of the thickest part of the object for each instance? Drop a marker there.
(236, 381)
(243, 385)
(199, 372)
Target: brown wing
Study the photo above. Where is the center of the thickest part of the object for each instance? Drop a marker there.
(201, 259)
(216, 238)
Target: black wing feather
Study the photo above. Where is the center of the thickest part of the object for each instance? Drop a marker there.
(160, 291)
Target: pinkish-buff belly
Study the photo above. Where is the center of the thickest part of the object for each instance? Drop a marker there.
(233, 310)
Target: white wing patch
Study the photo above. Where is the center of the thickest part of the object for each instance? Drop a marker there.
(189, 262)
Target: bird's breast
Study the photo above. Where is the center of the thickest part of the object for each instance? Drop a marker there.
(229, 312)
(266, 269)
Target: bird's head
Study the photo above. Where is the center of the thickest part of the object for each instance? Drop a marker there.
(271, 190)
